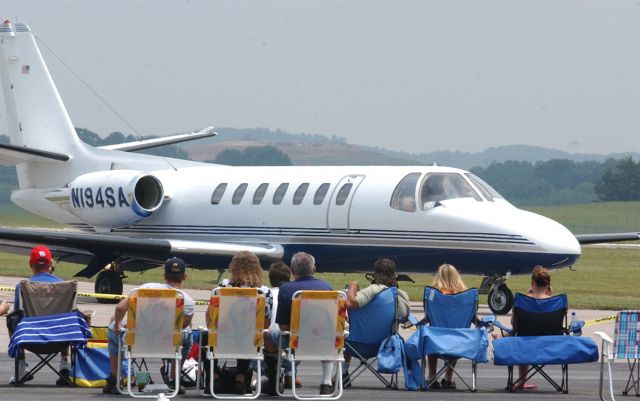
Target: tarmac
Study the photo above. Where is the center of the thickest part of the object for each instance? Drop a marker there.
(583, 378)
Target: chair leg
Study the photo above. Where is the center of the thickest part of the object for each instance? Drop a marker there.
(16, 377)
(510, 386)
(633, 382)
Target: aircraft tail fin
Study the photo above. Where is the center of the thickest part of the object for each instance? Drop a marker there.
(36, 117)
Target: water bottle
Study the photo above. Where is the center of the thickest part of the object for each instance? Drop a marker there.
(575, 325)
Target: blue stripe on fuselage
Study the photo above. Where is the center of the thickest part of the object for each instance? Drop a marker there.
(336, 258)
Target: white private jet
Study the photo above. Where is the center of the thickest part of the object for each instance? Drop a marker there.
(132, 211)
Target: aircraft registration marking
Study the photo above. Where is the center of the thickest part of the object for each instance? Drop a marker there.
(88, 197)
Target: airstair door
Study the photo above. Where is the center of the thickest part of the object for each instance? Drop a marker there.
(340, 203)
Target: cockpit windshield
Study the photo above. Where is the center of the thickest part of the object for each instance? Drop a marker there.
(437, 187)
(486, 189)
(404, 196)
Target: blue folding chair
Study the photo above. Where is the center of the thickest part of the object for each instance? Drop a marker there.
(369, 326)
(540, 338)
(449, 335)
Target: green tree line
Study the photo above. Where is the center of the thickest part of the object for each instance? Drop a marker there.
(563, 182)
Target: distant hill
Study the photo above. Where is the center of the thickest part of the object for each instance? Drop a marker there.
(303, 149)
(314, 149)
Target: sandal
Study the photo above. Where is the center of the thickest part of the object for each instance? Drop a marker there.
(448, 385)
(526, 386)
(433, 386)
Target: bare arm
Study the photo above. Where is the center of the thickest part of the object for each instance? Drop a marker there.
(186, 322)
(351, 295)
(121, 311)
(4, 308)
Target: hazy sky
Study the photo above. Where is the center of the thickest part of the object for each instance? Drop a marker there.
(406, 75)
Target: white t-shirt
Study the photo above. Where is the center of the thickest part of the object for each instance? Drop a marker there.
(189, 304)
(274, 308)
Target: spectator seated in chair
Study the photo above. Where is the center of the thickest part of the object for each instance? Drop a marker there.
(42, 268)
(174, 277)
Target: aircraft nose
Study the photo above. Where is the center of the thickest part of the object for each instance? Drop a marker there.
(551, 237)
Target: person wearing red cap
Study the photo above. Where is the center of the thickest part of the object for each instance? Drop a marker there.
(42, 268)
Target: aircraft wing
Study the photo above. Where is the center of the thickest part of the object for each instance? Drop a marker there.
(585, 239)
(96, 250)
(156, 142)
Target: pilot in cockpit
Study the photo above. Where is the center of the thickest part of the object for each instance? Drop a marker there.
(433, 191)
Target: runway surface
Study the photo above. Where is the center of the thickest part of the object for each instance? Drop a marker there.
(583, 379)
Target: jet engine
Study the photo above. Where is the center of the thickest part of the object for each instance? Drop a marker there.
(115, 198)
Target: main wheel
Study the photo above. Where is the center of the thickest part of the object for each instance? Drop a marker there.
(108, 282)
(500, 299)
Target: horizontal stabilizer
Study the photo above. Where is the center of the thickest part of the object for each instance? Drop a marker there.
(602, 238)
(11, 155)
(156, 142)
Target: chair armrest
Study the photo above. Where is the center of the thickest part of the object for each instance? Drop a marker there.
(486, 321)
(575, 328)
(502, 327)
(607, 345)
(410, 322)
(604, 336)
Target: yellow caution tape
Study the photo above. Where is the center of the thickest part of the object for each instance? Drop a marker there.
(599, 320)
(101, 296)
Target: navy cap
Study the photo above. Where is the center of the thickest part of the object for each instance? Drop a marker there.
(174, 266)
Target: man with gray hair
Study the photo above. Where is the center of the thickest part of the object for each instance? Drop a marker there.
(303, 266)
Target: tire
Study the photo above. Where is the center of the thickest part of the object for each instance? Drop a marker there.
(500, 299)
(108, 282)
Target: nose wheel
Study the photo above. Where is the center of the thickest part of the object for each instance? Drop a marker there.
(500, 299)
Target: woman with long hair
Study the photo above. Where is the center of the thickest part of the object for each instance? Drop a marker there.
(245, 272)
(449, 282)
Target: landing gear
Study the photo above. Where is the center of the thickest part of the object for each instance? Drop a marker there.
(500, 297)
(108, 282)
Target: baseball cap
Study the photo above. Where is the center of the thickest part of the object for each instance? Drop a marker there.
(41, 256)
(174, 266)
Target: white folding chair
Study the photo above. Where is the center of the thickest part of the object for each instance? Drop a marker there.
(154, 330)
(236, 325)
(623, 346)
(316, 333)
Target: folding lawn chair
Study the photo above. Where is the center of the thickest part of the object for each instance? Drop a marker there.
(189, 372)
(540, 338)
(623, 346)
(50, 323)
(316, 333)
(449, 335)
(369, 326)
(236, 325)
(154, 330)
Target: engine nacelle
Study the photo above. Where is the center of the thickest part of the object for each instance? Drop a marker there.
(115, 198)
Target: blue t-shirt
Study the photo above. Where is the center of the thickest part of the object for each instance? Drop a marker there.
(283, 314)
(38, 277)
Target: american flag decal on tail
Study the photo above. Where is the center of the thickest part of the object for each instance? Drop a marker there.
(25, 69)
